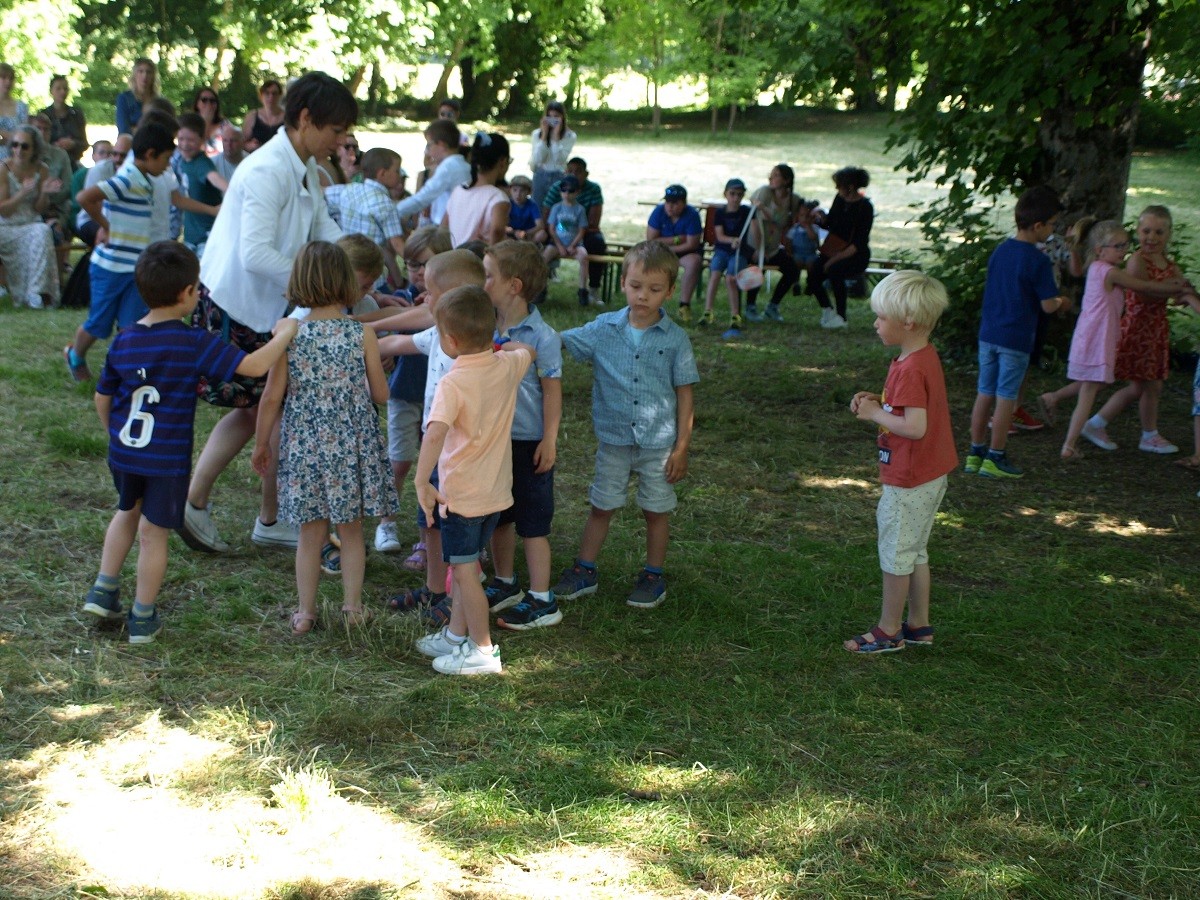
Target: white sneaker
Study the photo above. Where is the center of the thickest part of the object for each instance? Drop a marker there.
(826, 314)
(281, 534)
(468, 659)
(198, 530)
(1098, 436)
(437, 644)
(385, 538)
(835, 322)
(1157, 444)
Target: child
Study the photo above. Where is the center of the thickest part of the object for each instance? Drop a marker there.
(1020, 281)
(468, 438)
(367, 207)
(516, 274)
(446, 271)
(524, 216)
(1093, 356)
(642, 413)
(478, 210)
(146, 399)
(677, 226)
(200, 180)
(567, 222)
(805, 238)
(332, 460)
(728, 255)
(121, 207)
(916, 452)
(1143, 351)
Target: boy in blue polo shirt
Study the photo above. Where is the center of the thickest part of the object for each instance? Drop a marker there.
(642, 413)
(146, 400)
(677, 227)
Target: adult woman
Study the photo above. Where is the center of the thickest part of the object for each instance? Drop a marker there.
(143, 86)
(846, 252)
(26, 245)
(273, 207)
(68, 129)
(479, 211)
(775, 207)
(13, 112)
(261, 124)
(208, 105)
(552, 144)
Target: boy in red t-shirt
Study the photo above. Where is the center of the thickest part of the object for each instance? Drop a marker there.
(916, 452)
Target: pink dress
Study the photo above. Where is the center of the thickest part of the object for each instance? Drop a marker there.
(1094, 344)
(1144, 351)
(470, 212)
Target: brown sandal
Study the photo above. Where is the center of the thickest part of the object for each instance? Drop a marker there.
(303, 623)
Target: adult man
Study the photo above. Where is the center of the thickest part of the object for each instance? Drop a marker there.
(233, 151)
(591, 198)
(677, 226)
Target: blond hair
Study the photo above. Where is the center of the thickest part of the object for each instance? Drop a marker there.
(521, 259)
(427, 237)
(910, 296)
(652, 256)
(465, 313)
(322, 276)
(455, 268)
(1098, 234)
(153, 86)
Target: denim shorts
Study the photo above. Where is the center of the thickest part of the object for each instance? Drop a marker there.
(1001, 371)
(615, 465)
(533, 494)
(905, 520)
(436, 523)
(463, 537)
(115, 298)
(728, 261)
(162, 496)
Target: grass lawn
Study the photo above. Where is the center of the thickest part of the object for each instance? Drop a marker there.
(723, 745)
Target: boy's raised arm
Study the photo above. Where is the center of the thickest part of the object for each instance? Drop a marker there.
(261, 361)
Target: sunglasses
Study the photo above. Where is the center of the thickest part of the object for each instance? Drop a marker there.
(18, 145)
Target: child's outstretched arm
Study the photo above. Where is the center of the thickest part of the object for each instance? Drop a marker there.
(912, 425)
(685, 407)
(1170, 287)
(269, 407)
(262, 360)
(417, 318)
(431, 449)
(376, 379)
(397, 345)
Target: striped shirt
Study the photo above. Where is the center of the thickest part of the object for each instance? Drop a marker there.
(151, 374)
(128, 206)
(367, 209)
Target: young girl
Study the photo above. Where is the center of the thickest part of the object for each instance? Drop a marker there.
(332, 459)
(1093, 354)
(1143, 349)
(479, 210)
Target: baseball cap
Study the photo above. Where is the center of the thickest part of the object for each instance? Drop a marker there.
(675, 192)
(735, 184)
(569, 183)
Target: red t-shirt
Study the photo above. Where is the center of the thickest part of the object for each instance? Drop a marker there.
(917, 381)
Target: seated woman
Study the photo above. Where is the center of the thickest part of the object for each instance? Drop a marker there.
(261, 124)
(208, 105)
(143, 87)
(775, 207)
(846, 251)
(68, 128)
(13, 112)
(26, 245)
(479, 210)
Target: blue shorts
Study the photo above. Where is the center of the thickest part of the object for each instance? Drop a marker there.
(162, 496)
(464, 537)
(436, 523)
(533, 494)
(725, 259)
(1001, 371)
(615, 465)
(804, 248)
(115, 298)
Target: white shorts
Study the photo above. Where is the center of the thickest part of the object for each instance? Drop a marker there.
(905, 519)
(404, 430)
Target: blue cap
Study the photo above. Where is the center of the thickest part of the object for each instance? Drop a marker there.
(675, 192)
(735, 184)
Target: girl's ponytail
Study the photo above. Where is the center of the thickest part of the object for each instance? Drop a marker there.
(487, 151)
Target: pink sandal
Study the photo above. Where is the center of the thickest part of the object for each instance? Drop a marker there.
(303, 623)
(417, 559)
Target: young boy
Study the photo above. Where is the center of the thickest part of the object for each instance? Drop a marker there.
(916, 452)
(566, 224)
(367, 208)
(642, 415)
(515, 275)
(146, 399)
(446, 271)
(1020, 282)
(728, 255)
(121, 207)
(199, 180)
(468, 438)
(524, 215)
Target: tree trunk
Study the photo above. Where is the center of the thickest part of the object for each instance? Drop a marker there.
(443, 85)
(733, 107)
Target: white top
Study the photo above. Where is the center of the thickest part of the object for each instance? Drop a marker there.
(552, 157)
(469, 211)
(273, 207)
(435, 193)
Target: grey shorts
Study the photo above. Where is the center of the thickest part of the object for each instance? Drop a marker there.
(404, 430)
(614, 467)
(905, 519)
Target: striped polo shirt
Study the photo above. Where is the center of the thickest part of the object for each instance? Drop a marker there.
(128, 204)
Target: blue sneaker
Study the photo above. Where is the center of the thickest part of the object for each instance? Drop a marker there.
(531, 613)
(143, 630)
(772, 312)
(649, 592)
(999, 468)
(501, 596)
(576, 581)
(102, 603)
(751, 313)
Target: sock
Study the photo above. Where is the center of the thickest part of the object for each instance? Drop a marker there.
(511, 580)
(590, 566)
(540, 596)
(979, 449)
(995, 454)
(1149, 435)
(107, 582)
(452, 638)
(142, 612)
(654, 570)
(1098, 421)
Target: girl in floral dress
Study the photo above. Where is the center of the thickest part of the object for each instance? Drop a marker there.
(333, 464)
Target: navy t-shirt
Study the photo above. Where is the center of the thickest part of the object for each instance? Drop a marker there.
(731, 223)
(523, 217)
(688, 222)
(1019, 278)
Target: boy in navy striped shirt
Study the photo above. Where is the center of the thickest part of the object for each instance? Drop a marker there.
(146, 399)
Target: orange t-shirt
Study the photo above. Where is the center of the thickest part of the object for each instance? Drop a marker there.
(476, 399)
(917, 381)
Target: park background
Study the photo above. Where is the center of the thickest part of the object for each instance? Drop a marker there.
(724, 745)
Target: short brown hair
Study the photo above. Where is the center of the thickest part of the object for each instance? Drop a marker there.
(521, 259)
(455, 268)
(442, 131)
(365, 255)
(378, 159)
(427, 237)
(164, 270)
(653, 256)
(322, 276)
(466, 314)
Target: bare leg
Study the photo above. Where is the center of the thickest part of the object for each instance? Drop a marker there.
(979, 418)
(308, 563)
(710, 293)
(1148, 404)
(537, 560)
(691, 275)
(399, 473)
(919, 584)
(658, 531)
(268, 510)
(896, 590)
(152, 561)
(504, 549)
(595, 531)
(118, 540)
(435, 566)
(228, 437)
(735, 297)
(82, 343)
(1083, 412)
(470, 608)
(1001, 420)
(354, 564)
(1117, 402)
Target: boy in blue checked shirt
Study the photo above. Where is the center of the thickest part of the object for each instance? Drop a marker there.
(146, 400)
(367, 208)
(642, 414)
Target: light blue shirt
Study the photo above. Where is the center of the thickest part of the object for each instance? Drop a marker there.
(633, 388)
(529, 421)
